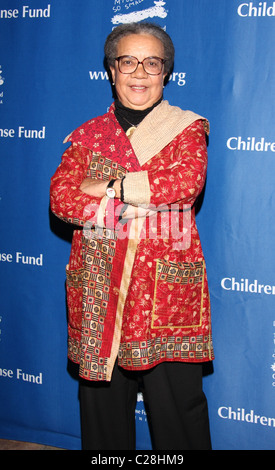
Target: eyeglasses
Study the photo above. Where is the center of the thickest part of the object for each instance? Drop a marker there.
(129, 64)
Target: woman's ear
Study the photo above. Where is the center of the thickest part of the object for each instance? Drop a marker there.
(113, 73)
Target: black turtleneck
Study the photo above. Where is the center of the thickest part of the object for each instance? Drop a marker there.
(128, 117)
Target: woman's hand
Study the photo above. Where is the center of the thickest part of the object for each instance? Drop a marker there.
(133, 212)
(97, 188)
(92, 187)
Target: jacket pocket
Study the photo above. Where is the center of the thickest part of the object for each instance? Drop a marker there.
(178, 294)
(74, 296)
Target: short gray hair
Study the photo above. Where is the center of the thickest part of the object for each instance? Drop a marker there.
(121, 31)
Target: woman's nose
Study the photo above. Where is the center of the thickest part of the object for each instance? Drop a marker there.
(140, 72)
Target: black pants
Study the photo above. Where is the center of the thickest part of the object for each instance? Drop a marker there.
(175, 404)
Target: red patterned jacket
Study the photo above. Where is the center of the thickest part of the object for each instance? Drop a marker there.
(136, 291)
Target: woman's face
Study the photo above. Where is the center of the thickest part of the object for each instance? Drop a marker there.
(138, 90)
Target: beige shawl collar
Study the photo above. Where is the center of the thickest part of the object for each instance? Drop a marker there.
(159, 128)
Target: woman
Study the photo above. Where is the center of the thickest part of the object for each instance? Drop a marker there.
(139, 312)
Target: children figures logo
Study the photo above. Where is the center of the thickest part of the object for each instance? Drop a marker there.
(157, 10)
(1, 83)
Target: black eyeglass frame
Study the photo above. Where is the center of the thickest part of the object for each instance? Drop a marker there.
(140, 62)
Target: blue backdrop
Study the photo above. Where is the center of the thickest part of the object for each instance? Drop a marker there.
(52, 79)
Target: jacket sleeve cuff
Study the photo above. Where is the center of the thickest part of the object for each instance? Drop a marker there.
(136, 188)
